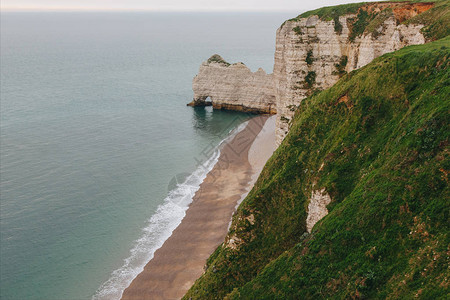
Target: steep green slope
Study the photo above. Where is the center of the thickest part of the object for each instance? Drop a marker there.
(377, 142)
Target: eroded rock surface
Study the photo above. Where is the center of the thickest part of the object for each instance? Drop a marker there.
(233, 87)
(317, 208)
(312, 55)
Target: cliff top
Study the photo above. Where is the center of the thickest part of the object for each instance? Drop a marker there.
(217, 59)
(435, 15)
(329, 12)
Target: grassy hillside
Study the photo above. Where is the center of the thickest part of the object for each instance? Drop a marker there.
(377, 141)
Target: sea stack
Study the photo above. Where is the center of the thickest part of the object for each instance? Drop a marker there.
(233, 87)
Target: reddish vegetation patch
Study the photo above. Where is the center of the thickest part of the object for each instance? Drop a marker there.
(402, 10)
(346, 100)
(411, 10)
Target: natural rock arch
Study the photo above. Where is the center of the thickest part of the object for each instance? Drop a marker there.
(233, 87)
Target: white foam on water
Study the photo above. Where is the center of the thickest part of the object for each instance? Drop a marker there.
(160, 227)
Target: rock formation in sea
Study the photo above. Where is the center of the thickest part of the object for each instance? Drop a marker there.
(233, 87)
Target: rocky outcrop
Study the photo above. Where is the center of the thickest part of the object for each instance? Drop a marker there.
(312, 54)
(317, 208)
(233, 87)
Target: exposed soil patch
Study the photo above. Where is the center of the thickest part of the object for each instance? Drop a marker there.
(402, 10)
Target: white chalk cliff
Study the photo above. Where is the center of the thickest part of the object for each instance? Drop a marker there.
(311, 54)
(233, 87)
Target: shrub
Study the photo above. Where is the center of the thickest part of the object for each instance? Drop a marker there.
(337, 25)
(340, 67)
(309, 58)
(297, 30)
(358, 27)
(218, 59)
(310, 79)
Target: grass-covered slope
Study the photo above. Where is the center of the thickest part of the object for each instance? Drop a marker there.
(378, 142)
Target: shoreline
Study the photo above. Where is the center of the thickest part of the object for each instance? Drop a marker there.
(180, 261)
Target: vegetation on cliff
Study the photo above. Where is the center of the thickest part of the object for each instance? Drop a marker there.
(216, 58)
(436, 20)
(377, 142)
(369, 16)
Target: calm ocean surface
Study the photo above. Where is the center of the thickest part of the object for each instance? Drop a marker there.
(94, 131)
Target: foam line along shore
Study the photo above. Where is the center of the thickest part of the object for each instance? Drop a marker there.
(179, 262)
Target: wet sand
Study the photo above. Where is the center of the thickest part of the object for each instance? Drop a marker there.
(180, 261)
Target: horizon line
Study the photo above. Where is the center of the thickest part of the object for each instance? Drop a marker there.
(87, 9)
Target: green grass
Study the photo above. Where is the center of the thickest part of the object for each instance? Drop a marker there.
(330, 12)
(359, 25)
(383, 156)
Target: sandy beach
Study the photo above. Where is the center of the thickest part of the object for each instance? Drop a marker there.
(180, 261)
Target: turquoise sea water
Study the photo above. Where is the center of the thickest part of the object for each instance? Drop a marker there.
(94, 131)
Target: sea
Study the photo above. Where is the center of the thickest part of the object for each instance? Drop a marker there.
(100, 156)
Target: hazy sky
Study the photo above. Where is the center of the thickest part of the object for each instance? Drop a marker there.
(170, 5)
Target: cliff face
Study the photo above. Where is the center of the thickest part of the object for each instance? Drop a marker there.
(312, 53)
(233, 87)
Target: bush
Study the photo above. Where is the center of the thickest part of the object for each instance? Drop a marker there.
(357, 28)
(218, 59)
(337, 25)
(340, 67)
(297, 30)
(310, 79)
(309, 58)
